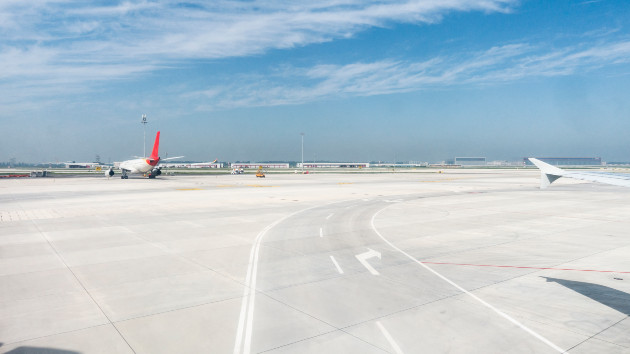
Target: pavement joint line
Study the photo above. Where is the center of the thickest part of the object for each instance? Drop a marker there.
(320, 335)
(43, 234)
(342, 329)
(497, 311)
(598, 333)
(177, 309)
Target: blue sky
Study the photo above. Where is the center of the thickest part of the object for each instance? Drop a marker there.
(364, 80)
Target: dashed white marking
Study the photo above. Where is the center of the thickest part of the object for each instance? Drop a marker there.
(499, 312)
(336, 265)
(363, 259)
(321, 232)
(329, 216)
(389, 338)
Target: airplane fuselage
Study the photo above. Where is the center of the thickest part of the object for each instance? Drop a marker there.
(140, 166)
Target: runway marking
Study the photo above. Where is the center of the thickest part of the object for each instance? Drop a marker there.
(190, 189)
(497, 311)
(321, 232)
(259, 186)
(369, 254)
(523, 267)
(243, 340)
(336, 265)
(389, 338)
(329, 216)
(345, 183)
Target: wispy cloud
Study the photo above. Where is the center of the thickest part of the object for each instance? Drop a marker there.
(73, 44)
(133, 36)
(495, 65)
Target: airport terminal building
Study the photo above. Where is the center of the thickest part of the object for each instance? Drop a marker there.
(567, 161)
(334, 165)
(258, 165)
(470, 161)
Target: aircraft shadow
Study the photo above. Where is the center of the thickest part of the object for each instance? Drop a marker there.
(610, 297)
(40, 350)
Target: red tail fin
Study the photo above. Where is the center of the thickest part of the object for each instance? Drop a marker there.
(156, 145)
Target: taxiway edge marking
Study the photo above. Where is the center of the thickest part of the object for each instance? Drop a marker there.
(478, 299)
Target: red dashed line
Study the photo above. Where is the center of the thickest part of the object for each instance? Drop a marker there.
(544, 268)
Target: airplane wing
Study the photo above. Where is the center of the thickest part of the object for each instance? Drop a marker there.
(172, 158)
(549, 173)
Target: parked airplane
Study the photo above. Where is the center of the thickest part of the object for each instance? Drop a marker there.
(147, 166)
(549, 173)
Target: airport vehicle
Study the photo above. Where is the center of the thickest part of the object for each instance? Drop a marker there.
(549, 173)
(147, 166)
(260, 172)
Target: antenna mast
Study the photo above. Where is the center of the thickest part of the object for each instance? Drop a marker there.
(144, 142)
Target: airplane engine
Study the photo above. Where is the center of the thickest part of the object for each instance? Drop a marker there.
(109, 172)
(155, 172)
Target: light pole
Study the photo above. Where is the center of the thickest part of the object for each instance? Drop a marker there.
(144, 142)
(302, 134)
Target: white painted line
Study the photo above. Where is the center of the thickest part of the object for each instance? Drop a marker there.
(499, 312)
(329, 216)
(241, 321)
(363, 259)
(321, 232)
(246, 318)
(389, 337)
(336, 265)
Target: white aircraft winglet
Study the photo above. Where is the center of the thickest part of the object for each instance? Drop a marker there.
(548, 174)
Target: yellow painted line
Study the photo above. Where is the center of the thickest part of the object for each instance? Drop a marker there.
(345, 183)
(259, 186)
(189, 189)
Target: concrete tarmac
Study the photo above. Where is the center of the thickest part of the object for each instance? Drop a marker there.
(465, 261)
